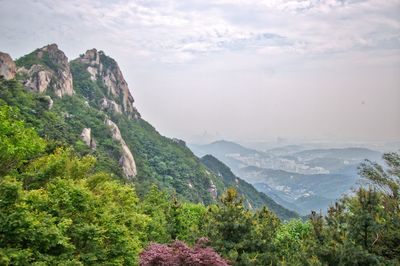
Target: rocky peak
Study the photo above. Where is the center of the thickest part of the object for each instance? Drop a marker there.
(55, 55)
(91, 57)
(104, 68)
(7, 66)
(47, 69)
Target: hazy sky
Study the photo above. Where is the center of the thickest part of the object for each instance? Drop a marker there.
(242, 70)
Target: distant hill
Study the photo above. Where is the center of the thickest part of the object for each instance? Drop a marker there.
(298, 191)
(253, 198)
(287, 149)
(222, 147)
(351, 153)
(298, 177)
(223, 151)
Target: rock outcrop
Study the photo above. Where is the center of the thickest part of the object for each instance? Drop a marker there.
(8, 68)
(126, 161)
(213, 190)
(50, 71)
(103, 68)
(50, 102)
(110, 105)
(86, 137)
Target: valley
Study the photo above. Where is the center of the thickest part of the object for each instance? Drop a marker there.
(301, 177)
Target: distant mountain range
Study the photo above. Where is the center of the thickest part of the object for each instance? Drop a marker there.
(253, 198)
(295, 176)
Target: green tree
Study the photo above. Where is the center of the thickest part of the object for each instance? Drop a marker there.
(190, 219)
(156, 205)
(387, 180)
(293, 244)
(75, 216)
(18, 144)
(229, 225)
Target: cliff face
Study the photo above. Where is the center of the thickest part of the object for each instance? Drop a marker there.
(7, 66)
(47, 70)
(127, 161)
(106, 70)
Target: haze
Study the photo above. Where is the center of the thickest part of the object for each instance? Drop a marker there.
(243, 70)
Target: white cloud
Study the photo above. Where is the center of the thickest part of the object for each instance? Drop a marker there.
(163, 27)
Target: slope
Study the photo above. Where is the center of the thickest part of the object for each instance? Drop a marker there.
(253, 198)
(97, 116)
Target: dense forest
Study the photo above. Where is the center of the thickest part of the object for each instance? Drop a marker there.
(58, 207)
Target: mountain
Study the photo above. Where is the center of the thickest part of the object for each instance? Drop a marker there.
(351, 154)
(253, 198)
(225, 151)
(222, 147)
(300, 192)
(87, 104)
(297, 177)
(286, 150)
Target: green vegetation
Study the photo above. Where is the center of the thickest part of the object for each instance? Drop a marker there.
(161, 161)
(64, 203)
(31, 59)
(56, 208)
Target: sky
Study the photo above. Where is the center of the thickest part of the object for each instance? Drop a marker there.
(239, 70)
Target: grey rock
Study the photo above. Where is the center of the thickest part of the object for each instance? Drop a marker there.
(54, 76)
(126, 161)
(86, 137)
(7, 66)
(102, 67)
(107, 104)
(50, 102)
(213, 190)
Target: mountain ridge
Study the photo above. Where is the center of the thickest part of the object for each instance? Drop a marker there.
(97, 116)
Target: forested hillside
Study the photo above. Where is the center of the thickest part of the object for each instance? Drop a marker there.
(86, 104)
(57, 209)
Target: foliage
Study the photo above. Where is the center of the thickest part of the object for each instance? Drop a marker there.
(62, 203)
(178, 253)
(28, 60)
(74, 215)
(18, 144)
(239, 234)
(33, 58)
(364, 229)
(56, 207)
(386, 180)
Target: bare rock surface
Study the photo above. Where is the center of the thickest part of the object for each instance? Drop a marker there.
(7, 66)
(106, 69)
(50, 73)
(86, 137)
(126, 161)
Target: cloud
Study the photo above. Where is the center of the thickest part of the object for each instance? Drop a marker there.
(164, 28)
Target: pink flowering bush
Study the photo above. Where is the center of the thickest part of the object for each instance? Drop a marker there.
(179, 254)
